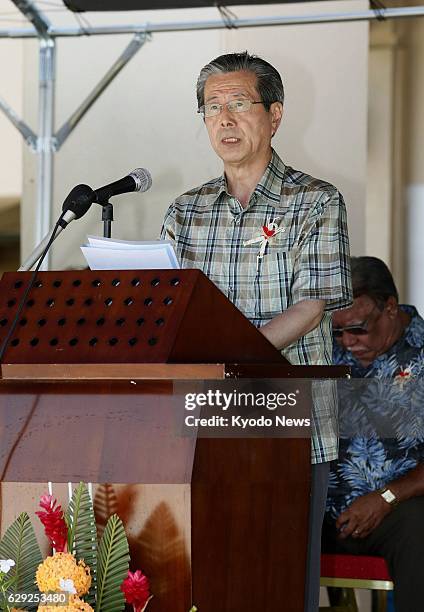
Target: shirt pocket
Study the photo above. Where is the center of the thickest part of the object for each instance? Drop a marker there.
(273, 283)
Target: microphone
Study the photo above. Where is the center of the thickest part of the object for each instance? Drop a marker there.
(78, 201)
(76, 204)
(138, 180)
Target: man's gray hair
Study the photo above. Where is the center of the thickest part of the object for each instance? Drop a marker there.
(269, 84)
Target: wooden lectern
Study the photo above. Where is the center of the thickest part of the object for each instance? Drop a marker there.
(92, 363)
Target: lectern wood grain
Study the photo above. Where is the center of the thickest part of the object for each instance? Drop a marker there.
(250, 501)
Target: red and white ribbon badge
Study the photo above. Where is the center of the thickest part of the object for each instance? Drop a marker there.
(269, 232)
(404, 375)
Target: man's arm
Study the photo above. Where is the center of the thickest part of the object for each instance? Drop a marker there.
(366, 512)
(293, 323)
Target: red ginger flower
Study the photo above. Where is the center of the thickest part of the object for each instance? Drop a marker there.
(54, 523)
(136, 589)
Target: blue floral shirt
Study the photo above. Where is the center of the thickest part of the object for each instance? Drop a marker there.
(381, 418)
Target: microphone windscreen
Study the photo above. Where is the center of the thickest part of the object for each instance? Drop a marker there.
(143, 179)
(78, 200)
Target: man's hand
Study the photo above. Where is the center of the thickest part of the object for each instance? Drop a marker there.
(362, 516)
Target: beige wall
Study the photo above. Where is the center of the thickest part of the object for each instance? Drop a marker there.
(395, 183)
(148, 115)
(385, 213)
(414, 189)
(11, 92)
(415, 43)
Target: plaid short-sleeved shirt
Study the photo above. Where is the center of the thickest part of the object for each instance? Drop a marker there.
(308, 260)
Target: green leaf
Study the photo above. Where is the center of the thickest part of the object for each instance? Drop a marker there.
(112, 566)
(82, 534)
(20, 544)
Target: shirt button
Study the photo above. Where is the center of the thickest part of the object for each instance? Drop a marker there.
(230, 290)
(236, 220)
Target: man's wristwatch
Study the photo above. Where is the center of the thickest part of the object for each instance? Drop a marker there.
(389, 496)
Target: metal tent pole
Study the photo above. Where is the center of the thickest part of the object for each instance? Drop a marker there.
(45, 152)
(46, 93)
(26, 132)
(136, 43)
(218, 24)
(46, 143)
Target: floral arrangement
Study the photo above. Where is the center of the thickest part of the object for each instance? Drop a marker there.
(94, 575)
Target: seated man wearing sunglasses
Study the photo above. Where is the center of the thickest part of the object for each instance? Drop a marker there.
(375, 503)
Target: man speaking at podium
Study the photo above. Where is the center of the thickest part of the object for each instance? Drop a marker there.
(273, 239)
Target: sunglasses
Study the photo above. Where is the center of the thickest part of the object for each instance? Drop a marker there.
(355, 330)
(360, 329)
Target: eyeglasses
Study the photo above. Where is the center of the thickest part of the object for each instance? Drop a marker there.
(235, 106)
(356, 330)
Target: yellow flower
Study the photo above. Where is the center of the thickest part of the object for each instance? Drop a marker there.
(75, 603)
(63, 566)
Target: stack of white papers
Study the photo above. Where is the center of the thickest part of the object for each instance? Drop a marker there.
(109, 254)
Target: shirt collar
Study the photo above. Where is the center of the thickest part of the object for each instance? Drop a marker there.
(271, 183)
(269, 187)
(414, 333)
